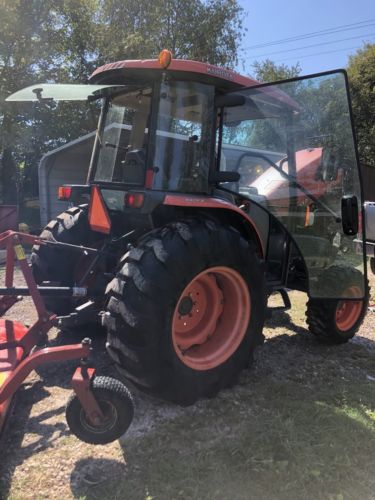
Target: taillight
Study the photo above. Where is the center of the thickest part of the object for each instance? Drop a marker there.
(64, 193)
(134, 200)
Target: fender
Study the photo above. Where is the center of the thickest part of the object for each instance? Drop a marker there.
(217, 203)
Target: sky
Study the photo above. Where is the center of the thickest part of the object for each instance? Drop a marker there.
(269, 21)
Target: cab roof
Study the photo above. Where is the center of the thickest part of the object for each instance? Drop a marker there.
(181, 69)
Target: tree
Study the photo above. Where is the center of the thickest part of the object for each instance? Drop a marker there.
(268, 71)
(64, 40)
(208, 31)
(264, 134)
(361, 70)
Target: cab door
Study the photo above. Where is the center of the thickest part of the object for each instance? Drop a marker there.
(293, 144)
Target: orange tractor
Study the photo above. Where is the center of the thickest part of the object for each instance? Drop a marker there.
(206, 193)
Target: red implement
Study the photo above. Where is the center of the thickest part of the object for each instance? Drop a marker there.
(17, 354)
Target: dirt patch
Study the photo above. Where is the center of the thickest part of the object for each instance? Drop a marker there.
(300, 424)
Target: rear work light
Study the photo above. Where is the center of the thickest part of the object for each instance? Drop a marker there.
(134, 200)
(64, 193)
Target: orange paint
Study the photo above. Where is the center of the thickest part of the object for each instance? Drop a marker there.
(99, 219)
(211, 318)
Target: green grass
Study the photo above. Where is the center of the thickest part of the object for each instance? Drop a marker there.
(301, 424)
(274, 439)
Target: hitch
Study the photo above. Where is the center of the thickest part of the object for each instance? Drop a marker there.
(80, 316)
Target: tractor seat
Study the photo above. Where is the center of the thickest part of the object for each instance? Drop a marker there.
(9, 358)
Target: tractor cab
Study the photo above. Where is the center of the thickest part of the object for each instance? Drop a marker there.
(170, 151)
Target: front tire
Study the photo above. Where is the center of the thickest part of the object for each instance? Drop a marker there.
(337, 321)
(186, 310)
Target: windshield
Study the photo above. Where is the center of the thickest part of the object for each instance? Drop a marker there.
(293, 146)
(122, 140)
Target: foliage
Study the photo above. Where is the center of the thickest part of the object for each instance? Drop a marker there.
(361, 71)
(208, 31)
(269, 71)
(264, 134)
(65, 40)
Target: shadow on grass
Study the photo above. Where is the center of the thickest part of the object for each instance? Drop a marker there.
(283, 320)
(12, 451)
(307, 431)
(97, 478)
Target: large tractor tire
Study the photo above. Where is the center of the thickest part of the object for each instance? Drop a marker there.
(186, 310)
(62, 267)
(337, 321)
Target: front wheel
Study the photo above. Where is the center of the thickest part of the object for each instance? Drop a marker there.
(186, 310)
(337, 321)
(117, 405)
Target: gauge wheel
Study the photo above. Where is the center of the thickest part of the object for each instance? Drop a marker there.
(115, 402)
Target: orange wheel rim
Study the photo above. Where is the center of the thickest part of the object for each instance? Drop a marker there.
(211, 318)
(348, 311)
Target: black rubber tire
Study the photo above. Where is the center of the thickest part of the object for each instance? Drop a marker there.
(143, 296)
(321, 314)
(372, 265)
(112, 396)
(58, 265)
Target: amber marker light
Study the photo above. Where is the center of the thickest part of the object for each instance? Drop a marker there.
(165, 58)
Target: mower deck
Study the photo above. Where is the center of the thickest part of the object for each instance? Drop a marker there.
(10, 357)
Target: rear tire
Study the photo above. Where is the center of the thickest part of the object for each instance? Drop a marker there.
(59, 265)
(154, 297)
(337, 321)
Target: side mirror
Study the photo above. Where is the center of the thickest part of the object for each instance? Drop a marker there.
(349, 213)
(229, 101)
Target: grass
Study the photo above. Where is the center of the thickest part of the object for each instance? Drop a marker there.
(300, 424)
(275, 440)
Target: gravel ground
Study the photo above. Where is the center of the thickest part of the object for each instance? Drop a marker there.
(41, 459)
